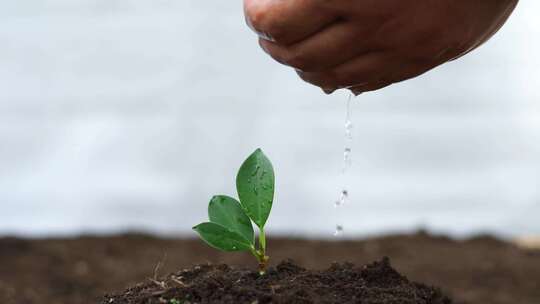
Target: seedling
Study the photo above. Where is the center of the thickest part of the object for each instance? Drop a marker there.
(230, 228)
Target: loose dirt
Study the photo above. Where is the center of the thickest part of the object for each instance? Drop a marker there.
(82, 270)
(287, 283)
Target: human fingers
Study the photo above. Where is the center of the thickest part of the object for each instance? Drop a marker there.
(362, 70)
(288, 21)
(357, 90)
(406, 70)
(326, 49)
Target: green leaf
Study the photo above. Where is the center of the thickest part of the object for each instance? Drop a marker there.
(227, 212)
(255, 186)
(222, 238)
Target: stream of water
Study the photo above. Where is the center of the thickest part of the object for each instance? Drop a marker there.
(343, 199)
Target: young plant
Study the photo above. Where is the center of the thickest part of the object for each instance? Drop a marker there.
(230, 228)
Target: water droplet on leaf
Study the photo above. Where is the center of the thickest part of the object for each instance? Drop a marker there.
(256, 170)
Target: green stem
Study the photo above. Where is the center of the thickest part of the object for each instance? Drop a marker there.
(261, 258)
(262, 241)
(261, 253)
(254, 252)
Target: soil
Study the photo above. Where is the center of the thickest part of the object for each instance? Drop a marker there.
(287, 283)
(82, 270)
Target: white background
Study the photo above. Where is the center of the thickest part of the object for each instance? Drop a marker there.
(131, 114)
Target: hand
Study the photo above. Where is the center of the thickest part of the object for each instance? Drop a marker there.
(365, 45)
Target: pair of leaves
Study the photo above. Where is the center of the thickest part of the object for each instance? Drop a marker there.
(230, 226)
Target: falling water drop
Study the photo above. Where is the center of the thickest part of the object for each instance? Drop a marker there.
(339, 230)
(348, 129)
(343, 198)
(347, 158)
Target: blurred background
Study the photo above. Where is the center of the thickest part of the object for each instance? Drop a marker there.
(129, 115)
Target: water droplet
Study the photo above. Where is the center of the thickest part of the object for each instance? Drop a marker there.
(348, 129)
(347, 157)
(234, 247)
(255, 191)
(256, 170)
(339, 230)
(344, 197)
(249, 180)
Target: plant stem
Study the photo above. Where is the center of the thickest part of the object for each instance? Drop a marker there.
(254, 252)
(263, 262)
(261, 258)
(261, 253)
(262, 241)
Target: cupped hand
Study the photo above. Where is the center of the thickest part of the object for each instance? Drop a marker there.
(365, 45)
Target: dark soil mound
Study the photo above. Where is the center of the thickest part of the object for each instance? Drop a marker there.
(286, 283)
